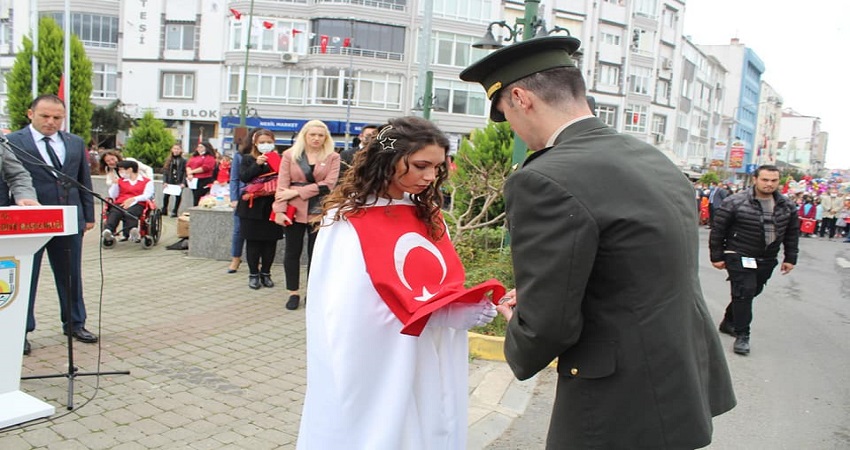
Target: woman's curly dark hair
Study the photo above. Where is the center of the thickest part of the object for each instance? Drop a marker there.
(373, 170)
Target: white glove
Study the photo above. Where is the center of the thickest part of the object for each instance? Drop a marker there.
(463, 316)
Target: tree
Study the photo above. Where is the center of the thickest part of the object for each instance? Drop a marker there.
(708, 178)
(107, 121)
(50, 68)
(149, 141)
(483, 164)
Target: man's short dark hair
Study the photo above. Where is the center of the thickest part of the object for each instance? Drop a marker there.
(765, 167)
(52, 98)
(556, 86)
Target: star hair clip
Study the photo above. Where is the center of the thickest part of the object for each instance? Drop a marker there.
(387, 143)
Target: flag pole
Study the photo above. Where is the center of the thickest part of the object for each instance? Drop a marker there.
(67, 83)
(34, 61)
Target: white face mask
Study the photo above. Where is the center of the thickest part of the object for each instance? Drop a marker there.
(265, 148)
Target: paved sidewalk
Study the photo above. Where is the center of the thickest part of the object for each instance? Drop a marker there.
(213, 364)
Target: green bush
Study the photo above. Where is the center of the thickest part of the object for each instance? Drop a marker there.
(484, 257)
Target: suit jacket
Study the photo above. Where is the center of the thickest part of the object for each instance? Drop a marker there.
(325, 173)
(47, 186)
(14, 178)
(605, 250)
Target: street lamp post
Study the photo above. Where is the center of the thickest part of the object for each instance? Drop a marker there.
(529, 26)
(242, 131)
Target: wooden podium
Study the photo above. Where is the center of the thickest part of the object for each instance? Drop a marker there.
(23, 231)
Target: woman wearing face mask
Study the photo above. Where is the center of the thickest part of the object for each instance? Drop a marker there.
(259, 163)
(201, 166)
(308, 171)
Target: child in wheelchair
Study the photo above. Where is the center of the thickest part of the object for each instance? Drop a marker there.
(132, 192)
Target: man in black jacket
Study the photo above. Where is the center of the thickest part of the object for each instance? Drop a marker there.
(745, 237)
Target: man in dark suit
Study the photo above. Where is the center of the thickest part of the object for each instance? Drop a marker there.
(606, 280)
(44, 142)
(367, 133)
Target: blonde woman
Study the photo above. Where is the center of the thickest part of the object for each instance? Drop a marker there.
(308, 171)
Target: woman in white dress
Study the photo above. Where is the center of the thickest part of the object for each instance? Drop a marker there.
(387, 357)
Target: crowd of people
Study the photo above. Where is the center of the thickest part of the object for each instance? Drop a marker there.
(823, 209)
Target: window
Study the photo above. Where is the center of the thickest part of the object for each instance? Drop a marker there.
(670, 18)
(366, 39)
(283, 36)
(639, 80)
(458, 98)
(104, 79)
(609, 38)
(609, 75)
(686, 88)
(635, 116)
(662, 94)
(6, 36)
(93, 30)
(467, 11)
(268, 85)
(659, 127)
(396, 5)
(328, 82)
(180, 36)
(642, 42)
(454, 49)
(607, 114)
(178, 85)
(645, 8)
(377, 90)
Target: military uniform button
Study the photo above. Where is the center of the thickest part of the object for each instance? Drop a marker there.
(574, 371)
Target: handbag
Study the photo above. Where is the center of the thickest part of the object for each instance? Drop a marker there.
(314, 204)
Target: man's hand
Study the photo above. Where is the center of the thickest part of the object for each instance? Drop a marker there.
(27, 202)
(89, 226)
(507, 304)
(786, 267)
(719, 265)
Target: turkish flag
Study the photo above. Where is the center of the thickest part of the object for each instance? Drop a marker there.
(346, 42)
(323, 43)
(61, 93)
(294, 32)
(414, 274)
(236, 14)
(268, 25)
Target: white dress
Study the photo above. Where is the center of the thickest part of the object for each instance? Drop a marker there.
(368, 385)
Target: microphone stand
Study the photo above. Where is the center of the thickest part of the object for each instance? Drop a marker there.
(66, 182)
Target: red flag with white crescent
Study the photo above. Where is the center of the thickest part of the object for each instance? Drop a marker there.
(323, 43)
(414, 274)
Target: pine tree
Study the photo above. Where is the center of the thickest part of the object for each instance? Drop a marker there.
(50, 68)
(149, 141)
(483, 164)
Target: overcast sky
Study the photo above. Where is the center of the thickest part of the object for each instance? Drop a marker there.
(803, 45)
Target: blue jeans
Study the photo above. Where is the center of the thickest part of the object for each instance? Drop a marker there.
(236, 241)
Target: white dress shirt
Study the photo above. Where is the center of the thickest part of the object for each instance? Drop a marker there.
(55, 142)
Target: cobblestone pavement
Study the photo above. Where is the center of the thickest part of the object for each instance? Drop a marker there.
(212, 363)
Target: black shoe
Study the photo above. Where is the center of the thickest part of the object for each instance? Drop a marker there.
(254, 281)
(742, 345)
(727, 328)
(27, 347)
(266, 279)
(83, 335)
(174, 214)
(292, 303)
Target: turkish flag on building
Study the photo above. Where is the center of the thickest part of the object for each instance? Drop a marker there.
(323, 43)
(268, 25)
(414, 274)
(236, 14)
(346, 42)
(294, 32)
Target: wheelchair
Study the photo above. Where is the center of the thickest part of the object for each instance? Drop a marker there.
(150, 226)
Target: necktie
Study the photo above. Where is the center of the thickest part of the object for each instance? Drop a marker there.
(52, 154)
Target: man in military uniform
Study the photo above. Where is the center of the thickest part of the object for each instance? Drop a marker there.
(607, 282)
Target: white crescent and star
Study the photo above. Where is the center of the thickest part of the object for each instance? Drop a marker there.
(403, 247)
